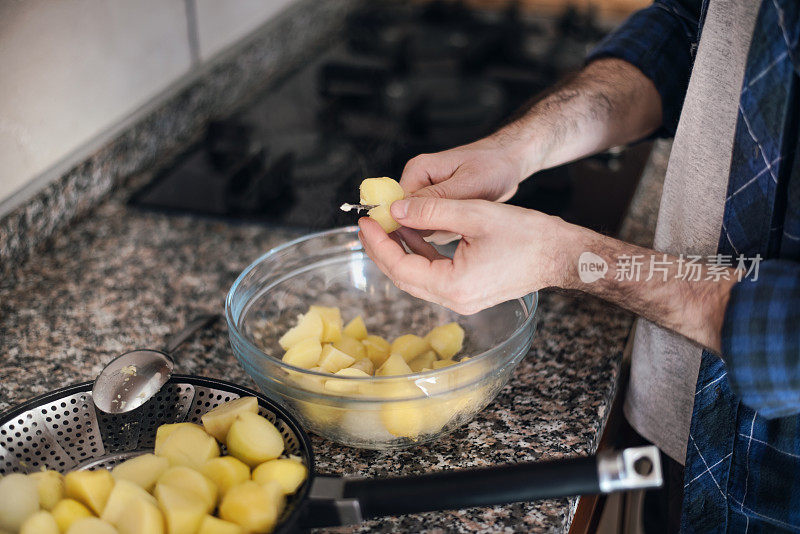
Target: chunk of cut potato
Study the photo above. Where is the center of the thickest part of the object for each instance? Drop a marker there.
(122, 496)
(352, 346)
(68, 511)
(345, 387)
(253, 506)
(310, 382)
(219, 420)
(395, 364)
(447, 340)
(356, 329)
(331, 323)
(215, 525)
(309, 326)
(165, 430)
(321, 415)
(254, 440)
(183, 512)
(423, 361)
(381, 192)
(290, 474)
(92, 488)
(438, 364)
(141, 517)
(190, 482)
(375, 191)
(91, 525)
(304, 354)
(383, 216)
(403, 419)
(19, 499)
(409, 346)
(332, 359)
(364, 364)
(42, 522)
(188, 446)
(143, 470)
(411, 419)
(225, 472)
(377, 349)
(50, 485)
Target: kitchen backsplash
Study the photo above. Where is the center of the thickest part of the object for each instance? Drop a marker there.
(73, 69)
(93, 91)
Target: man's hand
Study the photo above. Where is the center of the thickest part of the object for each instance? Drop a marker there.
(483, 170)
(506, 252)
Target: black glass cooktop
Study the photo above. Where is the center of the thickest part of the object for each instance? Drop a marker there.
(407, 78)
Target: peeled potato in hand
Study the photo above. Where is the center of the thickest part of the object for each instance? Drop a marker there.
(254, 440)
(381, 192)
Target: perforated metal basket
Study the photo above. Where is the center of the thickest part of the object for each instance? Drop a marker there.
(63, 431)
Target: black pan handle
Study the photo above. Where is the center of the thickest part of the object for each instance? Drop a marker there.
(338, 501)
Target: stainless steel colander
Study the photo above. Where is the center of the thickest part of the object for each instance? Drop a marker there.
(63, 431)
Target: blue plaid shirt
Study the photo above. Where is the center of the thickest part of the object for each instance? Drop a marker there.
(743, 456)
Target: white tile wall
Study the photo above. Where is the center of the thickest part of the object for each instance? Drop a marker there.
(72, 69)
(220, 23)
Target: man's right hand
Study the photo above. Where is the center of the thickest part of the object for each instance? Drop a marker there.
(483, 170)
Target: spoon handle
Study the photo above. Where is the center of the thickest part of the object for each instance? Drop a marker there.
(201, 321)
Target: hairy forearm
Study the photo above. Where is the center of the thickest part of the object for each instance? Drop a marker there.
(608, 103)
(681, 293)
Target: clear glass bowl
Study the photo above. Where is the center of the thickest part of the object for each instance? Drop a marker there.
(331, 269)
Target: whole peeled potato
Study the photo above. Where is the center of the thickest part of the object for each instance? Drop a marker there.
(19, 499)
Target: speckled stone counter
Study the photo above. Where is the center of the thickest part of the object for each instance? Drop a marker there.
(120, 278)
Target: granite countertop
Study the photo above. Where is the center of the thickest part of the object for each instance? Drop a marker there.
(121, 278)
(102, 278)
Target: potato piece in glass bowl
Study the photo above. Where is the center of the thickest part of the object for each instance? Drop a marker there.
(309, 326)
